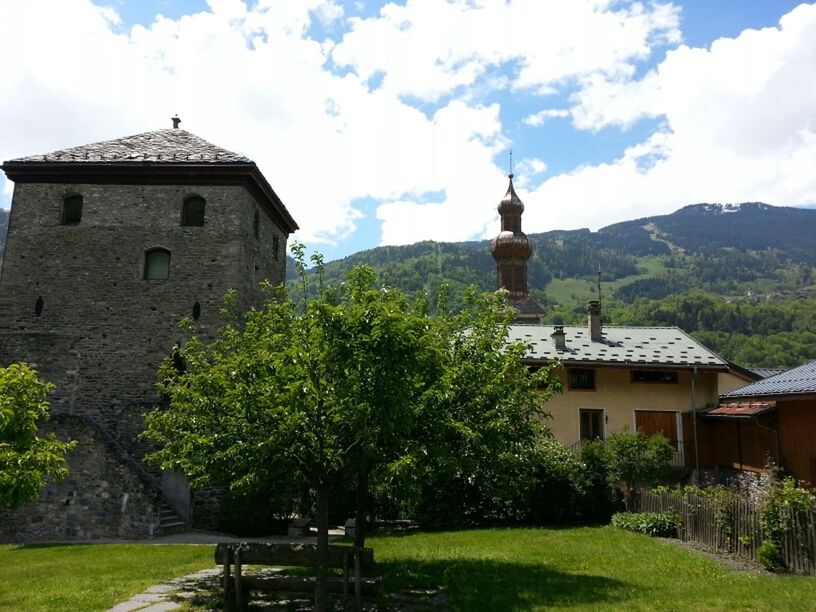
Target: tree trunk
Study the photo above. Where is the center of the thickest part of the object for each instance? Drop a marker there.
(321, 602)
(361, 509)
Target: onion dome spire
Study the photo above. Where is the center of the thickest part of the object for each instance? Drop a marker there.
(511, 249)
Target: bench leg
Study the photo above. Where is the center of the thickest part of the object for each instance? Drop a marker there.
(345, 579)
(358, 596)
(226, 583)
(239, 595)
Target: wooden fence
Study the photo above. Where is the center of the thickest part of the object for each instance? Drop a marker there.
(734, 527)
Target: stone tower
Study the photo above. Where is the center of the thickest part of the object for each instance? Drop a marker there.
(109, 246)
(511, 249)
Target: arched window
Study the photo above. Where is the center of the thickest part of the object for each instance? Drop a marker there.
(192, 211)
(72, 210)
(157, 264)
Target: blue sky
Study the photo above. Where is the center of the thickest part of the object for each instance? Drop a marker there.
(392, 123)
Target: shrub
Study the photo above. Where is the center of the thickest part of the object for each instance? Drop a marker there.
(770, 556)
(657, 524)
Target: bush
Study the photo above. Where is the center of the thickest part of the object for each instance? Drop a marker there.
(657, 524)
(770, 556)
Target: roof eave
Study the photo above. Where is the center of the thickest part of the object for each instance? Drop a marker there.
(629, 364)
(246, 174)
(770, 397)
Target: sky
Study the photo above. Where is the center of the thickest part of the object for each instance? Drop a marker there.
(390, 123)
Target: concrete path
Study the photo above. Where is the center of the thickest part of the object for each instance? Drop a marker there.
(159, 597)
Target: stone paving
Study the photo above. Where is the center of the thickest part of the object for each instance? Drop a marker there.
(163, 597)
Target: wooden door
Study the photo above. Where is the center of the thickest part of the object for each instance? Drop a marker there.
(651, 422)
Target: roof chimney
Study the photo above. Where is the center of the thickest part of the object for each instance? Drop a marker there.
(559, 337)
(594, 321)
(175, 121)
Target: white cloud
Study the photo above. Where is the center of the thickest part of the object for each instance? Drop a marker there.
(739, 124)
(428, 48)
(737, 119)
(538, 119)
(249, 78)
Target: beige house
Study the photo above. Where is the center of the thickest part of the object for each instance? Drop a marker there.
(643, 378)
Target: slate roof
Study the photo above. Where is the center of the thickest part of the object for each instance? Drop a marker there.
(170, 146)
(169, 156)
(766, 372)
(621, 346)
(740, 410)
(798, 381)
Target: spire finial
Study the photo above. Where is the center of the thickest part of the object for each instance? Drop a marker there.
(175, 119)
(510, 175)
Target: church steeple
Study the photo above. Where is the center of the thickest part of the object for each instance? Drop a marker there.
(511, 249)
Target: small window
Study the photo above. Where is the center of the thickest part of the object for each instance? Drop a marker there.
(256, 224)
(275, 247)
(654, 376)
(157, 264)
(582, 379)
(72, 210)
(192, 211)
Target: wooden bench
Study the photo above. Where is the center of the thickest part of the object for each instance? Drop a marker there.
(237, 586)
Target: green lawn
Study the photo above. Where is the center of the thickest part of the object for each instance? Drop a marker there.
(90, 577)
(598, 568)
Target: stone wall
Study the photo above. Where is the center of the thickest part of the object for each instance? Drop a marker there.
(101, 329)
(101, 497)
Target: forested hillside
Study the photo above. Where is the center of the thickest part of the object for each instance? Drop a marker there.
(739, 277)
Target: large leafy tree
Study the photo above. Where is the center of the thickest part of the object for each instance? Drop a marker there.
(328, 386)
(340, 385)
(27, 459)
(472, 454)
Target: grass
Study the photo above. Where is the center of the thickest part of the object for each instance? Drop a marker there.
(598, 568)
(578, 290)
(582, 568)
(90, 577)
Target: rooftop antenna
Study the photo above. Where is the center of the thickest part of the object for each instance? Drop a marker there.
(511, 164)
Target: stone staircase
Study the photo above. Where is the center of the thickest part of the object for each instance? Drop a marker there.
(170, 521)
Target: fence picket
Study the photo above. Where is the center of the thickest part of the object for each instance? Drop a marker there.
(698, 523)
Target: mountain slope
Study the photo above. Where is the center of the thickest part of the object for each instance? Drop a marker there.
(739, 277)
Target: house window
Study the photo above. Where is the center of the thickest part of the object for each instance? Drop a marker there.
(592, 424)
(72, 210)
(582, 379)
(192, 211)
(157, 264)
(654, 376)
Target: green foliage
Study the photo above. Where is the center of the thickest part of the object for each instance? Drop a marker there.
(634, 457)
(319, 391)
(656, 524)
(27, 460)
(568, 488)
(472, 455)
(755, 266)
(771, 333)
(780, 497)
(770, 556)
